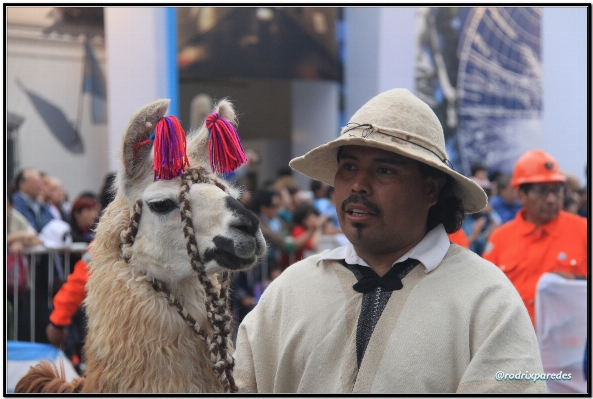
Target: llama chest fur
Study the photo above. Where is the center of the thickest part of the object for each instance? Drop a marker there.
(137, 342)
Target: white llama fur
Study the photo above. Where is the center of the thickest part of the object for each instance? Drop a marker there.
(136, 342)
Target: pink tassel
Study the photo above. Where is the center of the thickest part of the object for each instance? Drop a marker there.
(170, 157)
(224, 146)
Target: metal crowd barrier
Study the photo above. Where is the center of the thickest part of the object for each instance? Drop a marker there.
(32, 253)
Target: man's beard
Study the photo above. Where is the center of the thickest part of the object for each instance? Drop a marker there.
(358, 227)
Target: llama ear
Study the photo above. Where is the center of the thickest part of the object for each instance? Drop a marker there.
(136, 146)
(225, 109)
(197, 147)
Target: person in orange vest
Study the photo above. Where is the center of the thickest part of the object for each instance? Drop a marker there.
(67, 302)
(459, 238)
(542, 238)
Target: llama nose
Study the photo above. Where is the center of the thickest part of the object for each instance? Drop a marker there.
(246, 220)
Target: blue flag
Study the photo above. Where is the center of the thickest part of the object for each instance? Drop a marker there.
(94, 83)
(56, 121)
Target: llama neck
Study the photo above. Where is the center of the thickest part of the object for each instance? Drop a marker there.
(137, 342)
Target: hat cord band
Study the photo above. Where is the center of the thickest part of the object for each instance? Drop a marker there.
(395, 133)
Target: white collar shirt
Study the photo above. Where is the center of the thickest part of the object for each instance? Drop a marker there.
(430, 251)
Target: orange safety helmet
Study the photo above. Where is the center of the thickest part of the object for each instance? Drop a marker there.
(536, 166)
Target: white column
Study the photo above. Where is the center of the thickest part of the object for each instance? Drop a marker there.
(397, 48)
(361, 57)
(564, 60)
(136, 48)
(315, 106)
(379, 54)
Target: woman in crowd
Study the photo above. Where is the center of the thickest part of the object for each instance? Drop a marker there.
(83, 218)
(84, 214)
(307, 230)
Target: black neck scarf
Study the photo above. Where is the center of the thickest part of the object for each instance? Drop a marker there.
(376, 293)
(390, 281)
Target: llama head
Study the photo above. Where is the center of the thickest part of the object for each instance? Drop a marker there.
(226, 233)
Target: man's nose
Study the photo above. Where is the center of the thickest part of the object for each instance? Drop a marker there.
(361, 183)
(552, 196)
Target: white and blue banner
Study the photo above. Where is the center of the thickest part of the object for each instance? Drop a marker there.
(20, 356)
(561, 310)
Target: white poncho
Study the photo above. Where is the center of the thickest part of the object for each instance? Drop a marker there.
(449, 330)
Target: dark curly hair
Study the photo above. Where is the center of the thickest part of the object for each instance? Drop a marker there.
(449, 209)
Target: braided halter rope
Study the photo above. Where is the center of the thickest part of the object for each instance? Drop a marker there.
(217, 305)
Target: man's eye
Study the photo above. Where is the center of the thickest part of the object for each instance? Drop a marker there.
(385, 170)
(164, 206)
(348, 166)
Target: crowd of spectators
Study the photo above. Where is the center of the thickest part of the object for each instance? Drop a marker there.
(293, 221)
(40, 215)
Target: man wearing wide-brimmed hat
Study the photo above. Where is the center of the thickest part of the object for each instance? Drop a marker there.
(399, 309)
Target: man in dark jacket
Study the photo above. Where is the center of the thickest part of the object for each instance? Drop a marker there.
(26, 201)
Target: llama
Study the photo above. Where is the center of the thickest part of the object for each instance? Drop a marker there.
(157, 302)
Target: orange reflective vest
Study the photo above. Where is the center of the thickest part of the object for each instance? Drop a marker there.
(459, 238)
(70, 296)
(524, 251)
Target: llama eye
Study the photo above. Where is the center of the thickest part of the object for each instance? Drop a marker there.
(164, 206)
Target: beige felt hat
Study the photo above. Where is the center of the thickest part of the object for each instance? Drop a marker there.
(397, 121)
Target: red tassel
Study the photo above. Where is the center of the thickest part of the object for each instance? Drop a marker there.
(170, 157)
(224, 147)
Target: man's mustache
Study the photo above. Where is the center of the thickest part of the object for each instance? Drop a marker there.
(358, 199)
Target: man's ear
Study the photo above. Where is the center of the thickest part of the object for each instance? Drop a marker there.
(434, 185)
